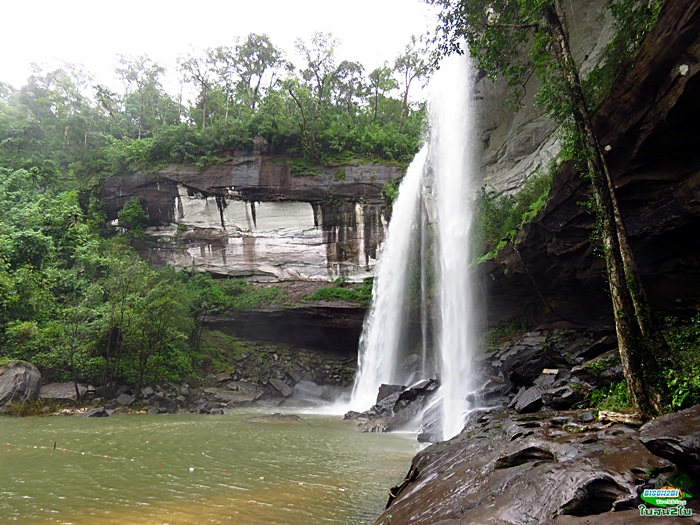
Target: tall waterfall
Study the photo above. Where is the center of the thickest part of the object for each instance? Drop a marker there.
(408, 336)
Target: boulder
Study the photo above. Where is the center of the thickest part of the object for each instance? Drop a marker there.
(676, 437)
(308, 390)
(528, 400)
(562, 398)
(283, 387)
(162, 403)
(222, 377)
(97, 412)
(227, 396)
(19, 381)
(295, 375)
(387, 390)
(125, 399)
(61, 391)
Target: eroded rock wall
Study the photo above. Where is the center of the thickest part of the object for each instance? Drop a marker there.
(516, 144)
(648, 126)
(250, 217)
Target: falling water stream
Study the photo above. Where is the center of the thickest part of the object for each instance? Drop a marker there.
(428, 241)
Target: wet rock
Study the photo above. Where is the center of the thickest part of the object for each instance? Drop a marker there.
(295, 375)
(278, 418)
(308, 390)
(676, 437)
(160, 401)
(520, 470)
(601, 371)
(97, 412)
(386, 390)
(562, 398)
(495, 392)
(527, 359)
(228, 397)
(528, 400)
(586, 417)
(61, 391)
(282, 387)
(19, 381)
(125, 399)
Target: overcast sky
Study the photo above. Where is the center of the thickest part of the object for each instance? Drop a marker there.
(92, 32)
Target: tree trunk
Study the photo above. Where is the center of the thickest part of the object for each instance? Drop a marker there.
(630, 309)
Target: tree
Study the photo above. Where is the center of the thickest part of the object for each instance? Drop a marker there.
(141, 78)
(496, 32)
(348, 85)
(199, 70)
(320, 62)
(412, 65)
(257, 59)
(380, 82)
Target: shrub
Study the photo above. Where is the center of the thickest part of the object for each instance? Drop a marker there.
(683, 379)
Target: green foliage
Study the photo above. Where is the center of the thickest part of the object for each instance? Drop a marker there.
(244, 295)
(390, 189)
(614, 397)
(303, 167)
(598, 366)
(133, 217)
(498, 217)
(683, 376)
(632, 20)
(341, 291)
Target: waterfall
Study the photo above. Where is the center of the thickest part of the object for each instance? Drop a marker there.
(383, 330)
(428, 242)
(451, 132)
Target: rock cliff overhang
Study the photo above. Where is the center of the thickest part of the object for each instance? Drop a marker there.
(648, 124)
(250, 216)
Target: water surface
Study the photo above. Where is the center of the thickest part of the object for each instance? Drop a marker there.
(195, 469)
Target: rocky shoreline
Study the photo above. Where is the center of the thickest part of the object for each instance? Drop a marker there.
(539, 454)
(258, 375)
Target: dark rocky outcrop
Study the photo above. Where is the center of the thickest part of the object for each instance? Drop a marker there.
(534, 469)
(19, 381)
(676, 437)
(279, 419)
(397, 407)
(97, 412)
(251, 217)
(332, 328)
(63, 391)
(648, 122)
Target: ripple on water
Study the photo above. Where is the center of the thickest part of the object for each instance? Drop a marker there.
(149, 470)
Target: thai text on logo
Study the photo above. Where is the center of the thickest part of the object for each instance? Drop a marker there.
(670, 501)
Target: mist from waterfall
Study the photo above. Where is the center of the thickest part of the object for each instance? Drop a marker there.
(421, 321)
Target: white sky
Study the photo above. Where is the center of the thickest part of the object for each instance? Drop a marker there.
(92, 32)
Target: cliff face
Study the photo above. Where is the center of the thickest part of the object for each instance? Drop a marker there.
(648, 125)
(515, 144)
(251, 217)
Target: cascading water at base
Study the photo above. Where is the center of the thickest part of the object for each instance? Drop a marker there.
(423, 270)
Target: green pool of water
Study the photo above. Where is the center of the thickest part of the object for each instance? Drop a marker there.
(193, 469)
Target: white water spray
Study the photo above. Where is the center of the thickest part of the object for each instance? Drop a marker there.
(451, 132)
(436, 190)
(379, 350)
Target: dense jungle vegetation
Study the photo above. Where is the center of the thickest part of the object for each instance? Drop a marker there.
(75, 299)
